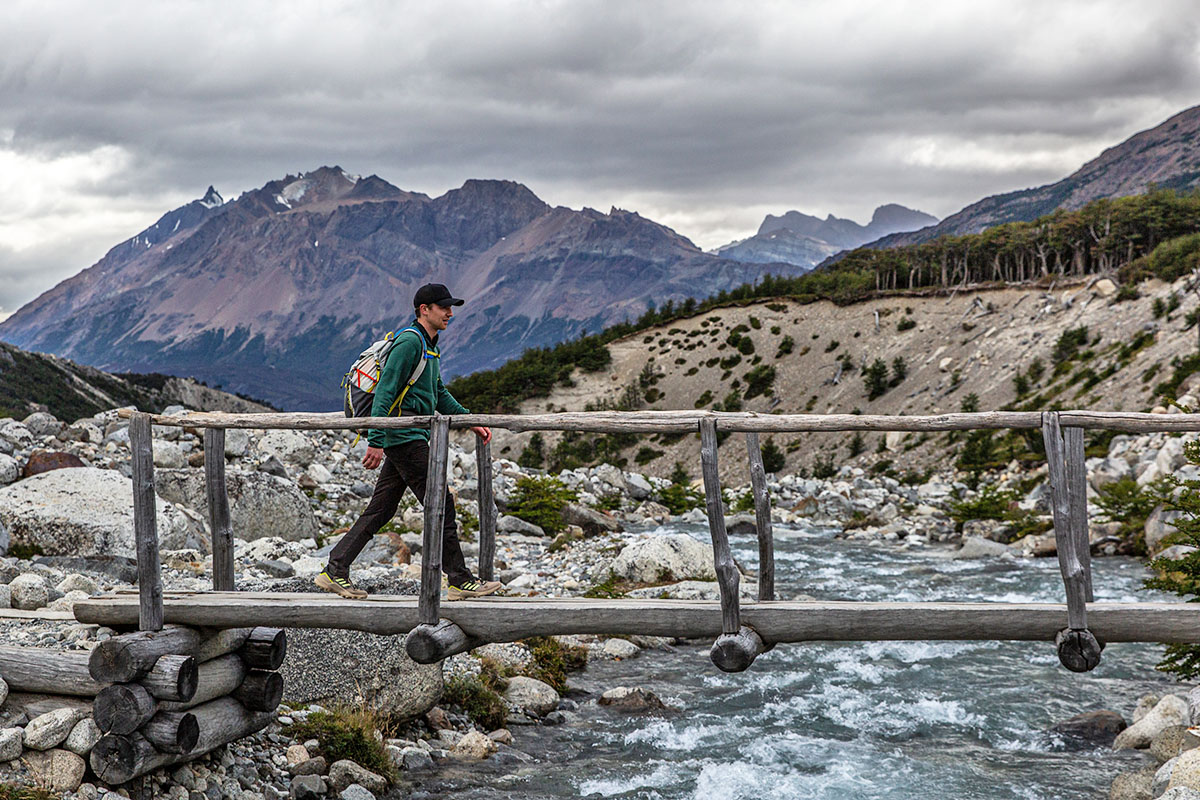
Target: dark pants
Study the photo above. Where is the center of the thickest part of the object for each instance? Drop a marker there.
(404, 466)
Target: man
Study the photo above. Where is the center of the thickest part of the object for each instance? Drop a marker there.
(404, 452)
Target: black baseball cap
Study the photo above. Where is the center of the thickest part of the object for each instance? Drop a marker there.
(432, 294)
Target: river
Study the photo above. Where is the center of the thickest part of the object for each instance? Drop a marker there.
(844, 720)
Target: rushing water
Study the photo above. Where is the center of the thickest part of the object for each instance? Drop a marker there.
(845, 720)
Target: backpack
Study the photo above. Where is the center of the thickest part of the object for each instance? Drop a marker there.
(363, 378)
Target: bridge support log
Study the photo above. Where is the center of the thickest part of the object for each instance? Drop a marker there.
(215, 678)
(487, 510)
(123, 708)
(734, 652)
(126, 658)
(172, 731)
(174, 677)
(1079, 651)
(145, 523)
(428, 644)
(435, 508)
(762, 519)
(260, 691)
(33, 669)
(265, 648)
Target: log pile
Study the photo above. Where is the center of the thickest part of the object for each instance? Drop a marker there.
(163, 697)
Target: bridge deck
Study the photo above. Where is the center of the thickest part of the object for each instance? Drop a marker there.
(501, 619)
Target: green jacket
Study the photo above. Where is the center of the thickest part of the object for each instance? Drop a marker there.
(426, 395)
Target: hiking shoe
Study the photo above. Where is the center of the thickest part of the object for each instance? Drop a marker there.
(471, 589)
(339, 586)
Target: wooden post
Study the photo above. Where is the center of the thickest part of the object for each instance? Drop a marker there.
(1078, 649)
(145, 530)
(218, 509)
(487, 510)
(1077, 492)
(762, 519)
(737, 647)
(435, 509)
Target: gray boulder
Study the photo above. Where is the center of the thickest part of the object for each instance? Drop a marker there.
(1171, 710)
(290, 447)
(260, 505)
(345, 772)
(531, 695)
(308, 787)
(1092, 727)
(592, 521)
(50, 729)
(1159, 526)
(83, 737)
(978, 547)
(56, 770)
(28, 591)
(11, 743)
(665, 559)
(10, 469)
(40, 423)
(82, 512)
(510, 524)
(638, 487)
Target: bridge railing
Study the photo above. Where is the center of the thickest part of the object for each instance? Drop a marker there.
(739, 644)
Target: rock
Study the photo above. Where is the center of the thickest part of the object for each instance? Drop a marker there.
(310, 766)
(10, 469)
(356, 792)
(531, 695)
(319, 473)
(261, 505)
(1167, 743)
(1170, 456)
(1186, 772)
(665, 559)
(56, 770)
(1093, 727)
(1133, 785)
(415, 758)
(291, 447)
(237, 442)
(82, 512)
(167, 455)
(40, 423)
(308, 787)
(502, 736)
(592, 521)
(275, 568)
(83, 737)
(1171, 710)
(976, 547)
(438, 720)
(354, 667)
(1193, 700)
(943, 366)
(638, 487)
(739, 524)
(11, 743)
(693, 590)
(620, 648)
(1145, 705)
(1159, 526)
(474, 745)
(15, 433)
(1180, 793)
(510, 524)
(41, 461)
(50, 729)
(29, 591)
(632, 700)
(273, 466)
(3, 694)
(1104, 288)
(1102, 472)
(345, 772)
(77, 583)
(449, 737)
(297, 754)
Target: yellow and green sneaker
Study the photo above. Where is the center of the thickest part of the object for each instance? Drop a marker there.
(338, 585)
(472, 588)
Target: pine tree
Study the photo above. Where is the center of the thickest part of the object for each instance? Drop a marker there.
(772, 456)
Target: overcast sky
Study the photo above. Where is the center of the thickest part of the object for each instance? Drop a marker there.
(702, 116)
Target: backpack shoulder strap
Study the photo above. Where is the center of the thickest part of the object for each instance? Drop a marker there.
(420, 368)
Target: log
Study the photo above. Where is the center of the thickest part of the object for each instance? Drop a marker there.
(727, 572)
(129, 656)
(265, 648)
(502, 619)
(261, 691)
(37, 669)
(145, 524)
(123, 708)
(218, 509)
(1078, 651)
(428, 644)
(762, 519)
(734, 652)
(215, 678)
(119, 759)
(220, 643)
(1077, 498)
(435, 509)
(172, 731)
(487, 510)
(34, 704)
(1068, 561)
(173, 678)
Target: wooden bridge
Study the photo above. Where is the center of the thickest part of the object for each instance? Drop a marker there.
(1079, 627)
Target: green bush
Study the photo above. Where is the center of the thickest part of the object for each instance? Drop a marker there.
(645, 455)
(772, 456)
(875, 377)
(540, 500)
(1128, 503)
(759, 381)
(998, 504)
(534, 454)
(786, 344)
(347, 733)
(1068, 344)
(477, 695)
(905, 324)
(823, 468)
(552, 660)
(1174, 258)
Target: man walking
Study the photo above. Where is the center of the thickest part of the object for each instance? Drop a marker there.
(404, 452)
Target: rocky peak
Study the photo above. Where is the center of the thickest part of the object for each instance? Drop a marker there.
(481, 212)
(212, 198)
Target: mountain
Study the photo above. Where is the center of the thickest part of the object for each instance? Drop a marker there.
(274, 293)
(1167, 156)
(804, 241)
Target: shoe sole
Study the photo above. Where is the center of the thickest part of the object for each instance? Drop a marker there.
(324, 583)
(460, 594)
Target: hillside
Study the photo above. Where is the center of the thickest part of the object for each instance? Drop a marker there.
(953, 346)
(32, 382)
(1166, 156)
(274, 293)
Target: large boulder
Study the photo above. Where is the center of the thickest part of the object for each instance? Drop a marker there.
(1159, 525)
(84, 512)
(1092, 727)
(10, 469)
(47, 460)
(291, 447)
(665, 559)
(260, 505)
(1171, 710)
(592, 521)
(351, 667)
(41, 423)
(59, 771)
(531, 695)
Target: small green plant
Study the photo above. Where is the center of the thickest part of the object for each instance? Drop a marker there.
(899, 371)
(875, 377)
(1126, 502)
(534, 454)
(347, 733)
(646, 454)
(772, 456)
(906, 324)
(552, 660)
(759, 381)
(540, 500)
(478, 696)
(609, 502)
(998, 504)
(857, 445)
(743, 502)
(1020, 385)
(786, 344)
(12, 791)
(680, 497)
(1068, 344)
(969, 404)
(823, 468)
(609, 588)
(833, 345)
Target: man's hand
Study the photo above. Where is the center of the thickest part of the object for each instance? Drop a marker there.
(373, 458)
(483, 433)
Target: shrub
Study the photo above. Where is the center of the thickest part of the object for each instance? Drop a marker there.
(899, 371)
(772, 456)
(876, 378)
(534, 454)
(970, 403)
(1020, 385)
(998, 504)
(680, 497)
(785, 346)
(833, 345)
(1068, 344)
(1126, 502)
(540, 500)
(759, 381)
(857, 445)
(345, 732)
(1174, 258)
(646, 454)
(478, 696)
(552, 660)
(905, 324)
(823, 468)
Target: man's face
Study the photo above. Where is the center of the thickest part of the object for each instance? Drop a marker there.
(437, 316)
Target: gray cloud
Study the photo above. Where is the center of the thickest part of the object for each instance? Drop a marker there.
(702, 115)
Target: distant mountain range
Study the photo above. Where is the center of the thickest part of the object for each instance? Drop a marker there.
(1166, 156)
(805, 241)
(274, 293)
